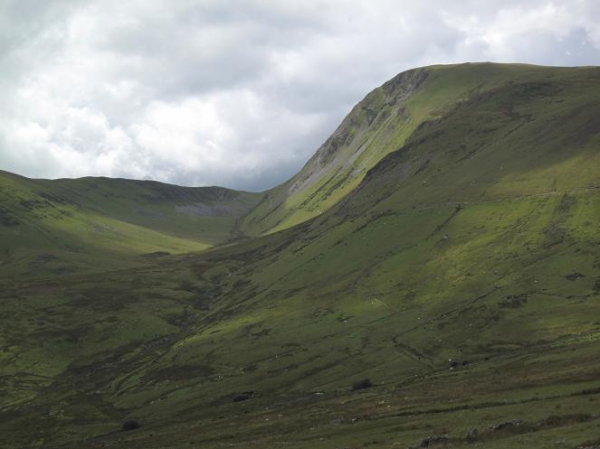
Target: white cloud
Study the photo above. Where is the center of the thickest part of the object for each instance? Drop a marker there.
(235, 93)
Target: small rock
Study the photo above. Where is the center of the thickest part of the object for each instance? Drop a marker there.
(433, 440)
(505, 425)
(472, 434)
(130, 425)
(574, 276)
(362, 384)
(243, 396)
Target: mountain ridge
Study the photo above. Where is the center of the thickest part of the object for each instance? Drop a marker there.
(454, 287)
(419, 95)
(91, 223)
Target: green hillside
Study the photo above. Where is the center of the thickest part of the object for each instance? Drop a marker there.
(74, 225)
(377, 126)
(459, 273)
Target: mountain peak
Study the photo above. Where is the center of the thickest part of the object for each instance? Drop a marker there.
(381, 124)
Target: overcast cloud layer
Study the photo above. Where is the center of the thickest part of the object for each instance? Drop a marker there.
(236, 93)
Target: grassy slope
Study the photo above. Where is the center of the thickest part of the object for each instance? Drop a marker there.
(475, 241)
(53, 227)
(378, 125)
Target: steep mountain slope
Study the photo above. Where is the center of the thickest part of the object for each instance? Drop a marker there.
(378, 125)
(461, 276)
(52, 227)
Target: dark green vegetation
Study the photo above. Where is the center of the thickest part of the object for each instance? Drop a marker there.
(454, 265)
(50, 228)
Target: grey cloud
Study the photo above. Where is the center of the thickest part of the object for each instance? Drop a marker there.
(574, 49)
(235, 93)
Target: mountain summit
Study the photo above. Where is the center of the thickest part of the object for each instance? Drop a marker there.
(394, 114)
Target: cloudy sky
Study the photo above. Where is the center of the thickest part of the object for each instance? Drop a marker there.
(238, 93)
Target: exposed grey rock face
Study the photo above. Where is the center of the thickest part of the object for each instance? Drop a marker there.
(339, 153)
(224, 209)
(363, 115)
